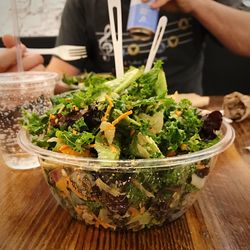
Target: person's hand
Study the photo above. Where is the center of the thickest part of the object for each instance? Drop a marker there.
(157, 3)
(186, 6)
(8, 58)
(8, 61)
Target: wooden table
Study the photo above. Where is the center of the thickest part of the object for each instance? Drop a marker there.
(31, 219)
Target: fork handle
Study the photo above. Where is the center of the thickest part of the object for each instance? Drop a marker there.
(156, 42)
(47, 51)
(116, 39)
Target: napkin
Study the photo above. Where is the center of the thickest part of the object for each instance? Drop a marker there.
(196, 100)
(236, 106)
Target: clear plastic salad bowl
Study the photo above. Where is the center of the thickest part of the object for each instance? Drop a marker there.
(127, 194)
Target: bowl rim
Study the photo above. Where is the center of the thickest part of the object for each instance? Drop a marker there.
(88, 163)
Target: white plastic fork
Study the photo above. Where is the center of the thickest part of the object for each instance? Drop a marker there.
(65, 52)
(116, 35)
(156, 42)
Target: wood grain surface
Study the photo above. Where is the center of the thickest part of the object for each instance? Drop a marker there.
(31, 219)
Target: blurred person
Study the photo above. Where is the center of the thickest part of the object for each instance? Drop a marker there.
(8, 60)
(86, 23)
(230, 26)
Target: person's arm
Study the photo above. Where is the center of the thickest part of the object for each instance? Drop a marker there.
(8, 61)
(230, 26)
(62, 67)
(72, 32)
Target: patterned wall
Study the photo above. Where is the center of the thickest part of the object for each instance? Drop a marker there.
(35, 17)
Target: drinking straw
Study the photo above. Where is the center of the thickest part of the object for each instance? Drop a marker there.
(16, 36)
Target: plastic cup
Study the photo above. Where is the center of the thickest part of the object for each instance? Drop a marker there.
(28, 90)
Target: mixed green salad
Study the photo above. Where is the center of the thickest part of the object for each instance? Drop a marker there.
(131, 117)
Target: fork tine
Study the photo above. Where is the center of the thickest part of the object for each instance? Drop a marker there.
(65, 52)
(78, 56)
(73, 58)
(77, 53)
(81, 56)
(78, 49)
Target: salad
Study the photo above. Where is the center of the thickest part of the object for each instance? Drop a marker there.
(125, 118)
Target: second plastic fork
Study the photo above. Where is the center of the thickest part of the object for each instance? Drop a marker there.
(114, 6)
(65, 52)
(156, 42)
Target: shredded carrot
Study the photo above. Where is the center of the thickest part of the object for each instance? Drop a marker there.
(133, 211)
(200, 165)
(62, 185)
(52, 117)
(113, 148)
(171, 153)
(66, 149)
(142, 210)
(110, 106)
(78, 210)
(178, 113)
(103, 223)
(184, 147)
(91, 146)
(75, 108)
(121, 117)
(71, 186)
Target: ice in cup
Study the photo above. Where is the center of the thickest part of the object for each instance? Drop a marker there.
(18, 90)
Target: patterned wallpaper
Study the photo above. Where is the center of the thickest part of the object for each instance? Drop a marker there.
(35, 17)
